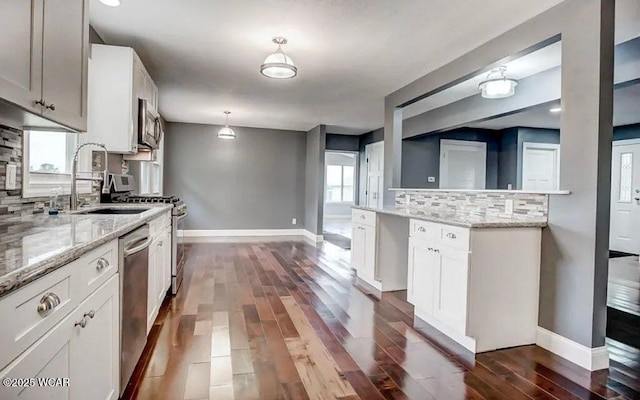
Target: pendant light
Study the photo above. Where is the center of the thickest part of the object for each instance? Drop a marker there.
(111, 3)
(497, 86)
(278, 65)
(226, 132)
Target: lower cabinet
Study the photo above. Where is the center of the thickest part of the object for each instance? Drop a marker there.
(159, 274)
(77, 359)
(363, 252)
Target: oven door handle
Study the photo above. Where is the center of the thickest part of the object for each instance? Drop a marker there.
(182, 216)
(132, 250)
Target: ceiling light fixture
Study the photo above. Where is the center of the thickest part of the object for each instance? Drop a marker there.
(226, 132)
(497, 86)
(556, 109)
(278, 65)
(110, 3)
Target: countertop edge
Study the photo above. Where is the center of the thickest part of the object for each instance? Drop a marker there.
(18, 279)
(446, 221)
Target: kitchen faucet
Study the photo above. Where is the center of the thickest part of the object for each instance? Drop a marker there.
(74, 174)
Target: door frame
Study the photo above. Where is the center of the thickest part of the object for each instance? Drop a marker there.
(614, 144)
(444, 169)
(367, 150)
(546, 146)
(356, 179)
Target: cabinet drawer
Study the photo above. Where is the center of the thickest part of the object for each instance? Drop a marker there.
(363, 217)
(455, 237)
(424, 230)
(33, 310)
(159, 224)
(96, 267)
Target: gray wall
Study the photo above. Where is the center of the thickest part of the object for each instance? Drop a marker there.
(421, 156)
(508, 159)
(314, 179)
(253, 182)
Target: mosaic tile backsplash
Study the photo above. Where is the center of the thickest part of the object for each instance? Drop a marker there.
(525, 205)
(11, 201)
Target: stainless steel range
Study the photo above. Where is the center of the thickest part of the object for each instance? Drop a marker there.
(120, 192)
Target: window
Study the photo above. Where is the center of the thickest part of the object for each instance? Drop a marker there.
(340, 183)
(150, 178)
(626, 177)
(47, 163)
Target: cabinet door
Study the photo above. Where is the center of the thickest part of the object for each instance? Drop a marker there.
(422, 275)
(152, 298)
(21, 53)
(167, 259)
(49, 357)
(451, 295)
(65, 61)
(161, 280)
(369, 266)
(358, 239)
(95, 349)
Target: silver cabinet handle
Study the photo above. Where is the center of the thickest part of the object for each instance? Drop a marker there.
(40, 103)
(102, 264)
(362, 217)
(48, 302)
(90, 314)
(436, 250)
(160, 244)
(421, 229)
(51, 107)
(82, 323)
(451, 235)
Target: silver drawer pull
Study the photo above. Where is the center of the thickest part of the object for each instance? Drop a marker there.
(90, 314)
(160, 244)
(362, 217)
(82, 323)
(102, 264)
(48, 302)
(421, 229)
(451, 235)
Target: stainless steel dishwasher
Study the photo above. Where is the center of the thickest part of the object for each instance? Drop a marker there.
(134, 270)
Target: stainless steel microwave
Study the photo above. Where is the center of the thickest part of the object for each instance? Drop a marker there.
(149, 127)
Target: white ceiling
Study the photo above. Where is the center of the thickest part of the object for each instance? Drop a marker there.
(205, 54)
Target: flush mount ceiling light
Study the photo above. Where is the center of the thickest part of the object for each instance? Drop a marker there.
(110, 3)
(226, 132)
(278, 65)
(497, 86)
(556, 109)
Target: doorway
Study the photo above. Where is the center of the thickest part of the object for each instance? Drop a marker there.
(540, 166)
(374, 154)
(339, 195)
(625, 197)
(463, 164)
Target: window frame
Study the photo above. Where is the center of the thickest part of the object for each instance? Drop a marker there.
(41, 184)
(342, 186)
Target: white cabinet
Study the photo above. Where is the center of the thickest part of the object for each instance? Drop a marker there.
(466, 282)
(363, 247)
(82, 350)
(43, 58)
(117, 79)
(159, 277)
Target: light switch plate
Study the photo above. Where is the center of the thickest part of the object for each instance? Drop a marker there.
(10, 177)
(508, 206)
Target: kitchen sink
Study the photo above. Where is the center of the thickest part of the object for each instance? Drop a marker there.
(115, 211)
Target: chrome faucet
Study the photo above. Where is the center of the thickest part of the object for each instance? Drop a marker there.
(74, 174)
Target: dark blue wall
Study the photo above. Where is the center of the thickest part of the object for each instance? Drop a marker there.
(626, 132)
(337, 142)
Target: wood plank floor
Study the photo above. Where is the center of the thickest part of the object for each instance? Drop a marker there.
(282, 320)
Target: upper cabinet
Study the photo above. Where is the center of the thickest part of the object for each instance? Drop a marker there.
(117, 80)
(44, 53)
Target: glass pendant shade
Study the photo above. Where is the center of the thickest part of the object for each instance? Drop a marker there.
(110, 3)
(278, 65)
(226, 132)
(498, 87)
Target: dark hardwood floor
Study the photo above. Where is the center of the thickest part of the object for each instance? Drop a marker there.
(281, 320)
(623, 301)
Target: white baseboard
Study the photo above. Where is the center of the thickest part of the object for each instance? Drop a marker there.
(216, 234)
(593, 359)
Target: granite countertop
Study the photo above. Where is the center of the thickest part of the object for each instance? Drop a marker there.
(33, 246)
(463, 220)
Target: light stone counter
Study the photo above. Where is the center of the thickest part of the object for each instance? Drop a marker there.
(33, 246)
(464, 220)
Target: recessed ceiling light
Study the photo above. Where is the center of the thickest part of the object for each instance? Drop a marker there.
(555, 109)
(110, 3)
(497, 86)
(226, 132)
(278, 65)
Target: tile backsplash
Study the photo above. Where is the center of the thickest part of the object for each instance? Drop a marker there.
(525, 205)
(11, 201)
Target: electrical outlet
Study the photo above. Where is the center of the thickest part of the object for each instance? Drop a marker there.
(508, 206)
(294, 221)
(10, 177)
(431, 179)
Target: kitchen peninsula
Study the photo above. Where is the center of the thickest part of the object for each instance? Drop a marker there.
(469, 260)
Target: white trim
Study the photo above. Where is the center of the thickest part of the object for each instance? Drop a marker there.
(593, 359)
(626, 142)
(313, 237)
(245, 233)
(446, 144)
(526, 146)
(482, 191)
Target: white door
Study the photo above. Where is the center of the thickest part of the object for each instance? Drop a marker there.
(374, 154)
(540, 166)
(625, 197)
(463, 164)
